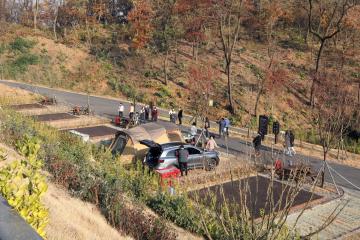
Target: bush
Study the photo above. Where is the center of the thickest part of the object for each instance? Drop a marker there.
(20, 64)
(23, 185)
(177, 209)
(2, 49)
(21, 45)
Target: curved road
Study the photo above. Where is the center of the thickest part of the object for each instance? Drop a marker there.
(107, 107)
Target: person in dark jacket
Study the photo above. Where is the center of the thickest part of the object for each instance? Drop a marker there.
(292, 142)
(182, 156)
(257, 144)
(207, 127)
(180, 116)
(221, 127)
(147, 113)
(154, 114)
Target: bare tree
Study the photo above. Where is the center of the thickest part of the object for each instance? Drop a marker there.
(35, 13)
(333, 113)
(325, 24)
(230, 15)
(56, 14)
(2, 10)
(242, 219)
(272, 12)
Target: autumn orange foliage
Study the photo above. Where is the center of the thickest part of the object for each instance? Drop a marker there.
(140, 18)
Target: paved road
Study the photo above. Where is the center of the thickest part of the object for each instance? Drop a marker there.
(108, 108)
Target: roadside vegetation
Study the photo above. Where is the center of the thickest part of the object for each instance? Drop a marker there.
(91, 174)
(123, 194)
(23, 184)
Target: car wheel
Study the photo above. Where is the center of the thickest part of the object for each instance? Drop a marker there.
(211, 165)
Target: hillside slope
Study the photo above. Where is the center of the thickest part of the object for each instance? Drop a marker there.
(73, 67)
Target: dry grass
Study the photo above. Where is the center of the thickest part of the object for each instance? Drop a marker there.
(80, 121)
(48, 109)
(72, 219)
(69, 57)
(9, 95)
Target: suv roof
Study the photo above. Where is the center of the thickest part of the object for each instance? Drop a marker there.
(152, 144)
(172, 144)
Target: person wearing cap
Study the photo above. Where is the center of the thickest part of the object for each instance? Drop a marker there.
(182, 156)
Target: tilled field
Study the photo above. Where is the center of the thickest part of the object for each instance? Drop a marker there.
(97, 131)
(27, 106)
(256, 194)
(53, 117)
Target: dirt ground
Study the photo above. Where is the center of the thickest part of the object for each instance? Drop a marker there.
(70, 218)
(257, 195)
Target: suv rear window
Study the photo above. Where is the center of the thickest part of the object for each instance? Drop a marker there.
(171, 153)
(193, 151)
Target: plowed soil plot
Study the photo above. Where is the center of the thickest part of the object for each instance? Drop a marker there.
(53, 117)
(256, 195)
(27, 106)
(97, 131)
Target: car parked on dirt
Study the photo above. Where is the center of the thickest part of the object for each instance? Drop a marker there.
(162, 156)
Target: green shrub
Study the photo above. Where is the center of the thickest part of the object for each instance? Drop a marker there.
(177, 209)
(23, 185)
(21, 45)
(21, 63)
(2, 49)
(151, 74)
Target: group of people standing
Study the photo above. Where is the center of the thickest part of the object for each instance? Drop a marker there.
(224, 124)
(289, 143)
(173, 115)
(146, 112)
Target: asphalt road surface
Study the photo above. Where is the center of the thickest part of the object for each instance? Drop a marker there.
(108, 108)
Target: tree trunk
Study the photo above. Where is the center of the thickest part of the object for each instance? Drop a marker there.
(229, 87)
(166, 67)
(2, 10)
(196, 51)
(359, 94)
(258, 97)
(193, 50)
(176, 52)
(36, 11)
(323, 171)
(55, 22)
(315, 78)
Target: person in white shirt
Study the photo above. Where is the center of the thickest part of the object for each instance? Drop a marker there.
(171, 115)
(131, 112)
(193, 129)
(121, 110)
